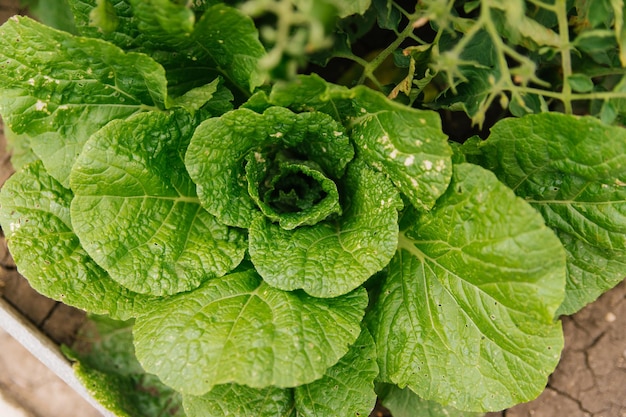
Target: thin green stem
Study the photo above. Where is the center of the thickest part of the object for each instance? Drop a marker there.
(566, 61)
(546, 6)
(596, 95)
(368, 70)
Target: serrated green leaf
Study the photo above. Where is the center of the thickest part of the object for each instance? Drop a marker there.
(334, 256)
(35, 217)
(527, 104)
(593, 13)
(406, 144)
(573, 170)
(475, 291)
(406, 403)
(470, 95)
(350, 7)
(593, 41)
(240, 400)
(580, 83)
(107, 367)
(347, 389)
(220, 146)
(238, 329)
(136, 211)
(387, 15)
(613, 110)
(61, 89)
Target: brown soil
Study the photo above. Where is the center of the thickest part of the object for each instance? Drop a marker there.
(590, 380)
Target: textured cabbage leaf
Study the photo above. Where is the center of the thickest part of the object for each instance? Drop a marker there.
(222, 147)
(405, 403)
(346, 389)
(61, 88)
(104, 361)
(239, 400)
(466, 314)
(35, 217)
(116, 24)
(136, 212)
(222, 41)
(290, 191)
(573, 170)
(335, 256)
(162, 22)
(313, 93)
(237, 329)
(406, 144)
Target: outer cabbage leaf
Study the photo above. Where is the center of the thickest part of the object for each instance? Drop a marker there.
(106, 365)
(466, 314)
(346, 389)
(406, 144)
(223, 41)
(162, 22)
(119, 28)
(136, 211)
(335, 256)
(229, 38)
(237, 329)
(220, 147)
(240, 400)
(18, 146)
(405, 403)
(54, 13)
(62, 88)
(35, 217)
(573, 170)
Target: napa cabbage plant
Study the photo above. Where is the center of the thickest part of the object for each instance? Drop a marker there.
(256, 241)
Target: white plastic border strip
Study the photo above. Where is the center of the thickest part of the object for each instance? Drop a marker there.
(45, 350)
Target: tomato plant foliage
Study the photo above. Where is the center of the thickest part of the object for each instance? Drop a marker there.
(263, 201)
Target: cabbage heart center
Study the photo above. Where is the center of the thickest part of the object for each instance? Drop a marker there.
(290, 191)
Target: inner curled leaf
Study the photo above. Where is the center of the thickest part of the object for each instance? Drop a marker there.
(280, 164)
(290, 191)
